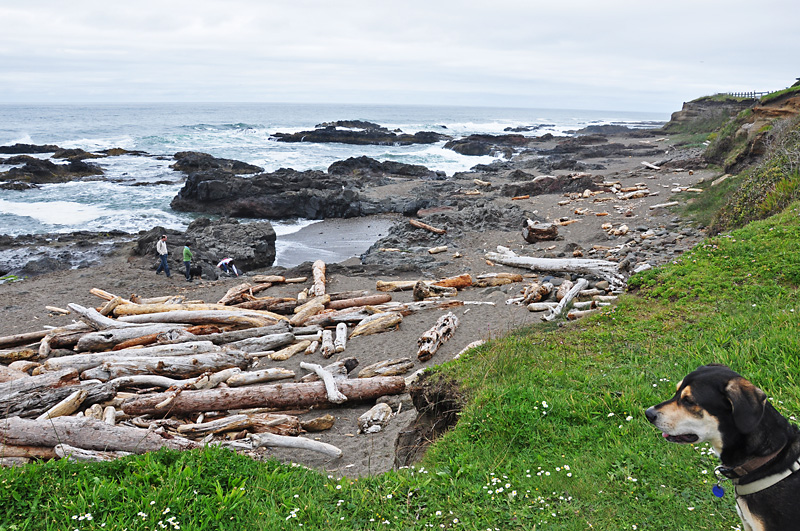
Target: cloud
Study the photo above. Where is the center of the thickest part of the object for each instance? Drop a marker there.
(614, 55)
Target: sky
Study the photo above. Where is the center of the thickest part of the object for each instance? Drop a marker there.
(631, 55)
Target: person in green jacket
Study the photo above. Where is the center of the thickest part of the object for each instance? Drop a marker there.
(187, 262)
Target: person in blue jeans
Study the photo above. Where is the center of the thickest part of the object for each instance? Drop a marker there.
(161, 249)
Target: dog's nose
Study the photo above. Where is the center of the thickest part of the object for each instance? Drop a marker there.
(651, 414)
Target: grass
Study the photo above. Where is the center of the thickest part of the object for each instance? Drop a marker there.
(553, 435)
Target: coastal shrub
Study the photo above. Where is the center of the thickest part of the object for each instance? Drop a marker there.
(770, 185)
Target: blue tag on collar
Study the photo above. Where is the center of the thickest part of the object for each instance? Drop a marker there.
(718, 491)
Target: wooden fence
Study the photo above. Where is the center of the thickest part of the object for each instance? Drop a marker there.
(753, 95)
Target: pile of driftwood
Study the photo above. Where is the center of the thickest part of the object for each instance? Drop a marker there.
(133, 375)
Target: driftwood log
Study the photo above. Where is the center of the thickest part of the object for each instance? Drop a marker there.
(318, 272)
(602, 268)
(87, 433)
(279, 396)
(434, 338)
(573, 292)
(177, 366)
(232, 316)
(425, 226)
(379, 322)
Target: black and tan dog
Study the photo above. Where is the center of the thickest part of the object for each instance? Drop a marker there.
(759, 449)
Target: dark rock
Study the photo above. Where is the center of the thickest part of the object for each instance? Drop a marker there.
(28, 148)
(193, 161)
(482, 145)
(359, 133)
(251, 245)
(44, 171)
(546, 184)
(360, 166)
(74, 154)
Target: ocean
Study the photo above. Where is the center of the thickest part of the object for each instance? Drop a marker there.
(136, 191)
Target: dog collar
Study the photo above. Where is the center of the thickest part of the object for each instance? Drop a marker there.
(738, 472)
(767, 482)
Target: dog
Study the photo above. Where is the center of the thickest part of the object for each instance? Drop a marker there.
(758, 448)
(195, 271)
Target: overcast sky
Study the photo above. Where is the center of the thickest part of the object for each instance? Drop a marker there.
(638, 55)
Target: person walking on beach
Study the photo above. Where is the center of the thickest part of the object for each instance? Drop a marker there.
(187, 262)
(161, 249)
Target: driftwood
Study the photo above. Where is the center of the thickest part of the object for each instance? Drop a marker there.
(90, 434)
(30, 397)
(339, 369)
(369, 300)
(255, 422)
(72, 453)
(328, 348)
(22, 339)
(262, 343)
(236, 293)
(602, 268)
(434, 338)
(105, 339)
(340, 342)
(423, 291)
(334, 317)
(67, 406)
(379, 322)
(287, 352)
(573, 292)
(425, 226)
(86, 361)
(270, 304)
(325, 422)
(31, 452)
(334, 395)
(541, 306)
(180, 366)
(318, 272)
(232, 316)
(302, 313)
(257, 377)
(391, 367)
(281, 441)
(94, 319)
(238, 335)
(7, 374)
(127, 313)
(278, 396)
(10, 356)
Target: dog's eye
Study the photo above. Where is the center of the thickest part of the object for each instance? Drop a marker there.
(687, 401)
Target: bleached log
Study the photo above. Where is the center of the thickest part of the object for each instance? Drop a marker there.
(106, 296)
(153, 380)
(605, 298)
(437, 250)
(536, 292)
(180, 366)
(581, 284)
(270, 304)
(339, 369)
(86, 361)
(325, 422)
(340, 342)
(19, 354)
(281, 441)
(375, 419)
(287, 352)
(407, 308)
(110, 305)
(302, 313)
(425, 226)
(22, 339)
(257, 377)
(312, 348)
(68, 406)
(334, 317)
(256, 344)
(56, 309)
(10, 462)
(94, 319)
(80, 455)
(255, 422)
(369, 300)
(334, 395)
(664, 205)
(8, 374)
(423, 291)
(105, 339)
(268, 279)
(328, 348)
(139, 312)
(584, 305)
(651, 166)
(235, 293)
(222, 338)
(563, 289)
(232, 316)
(109, 415)
(283, 396)
(602, 268)
(379, 322)
(541, 306)
(25, 366)
(393, 367)
(577, 314)
(318, 273)
(87, 433)
(474, 344)
(434, 338)
(31, 452)
(395, 285)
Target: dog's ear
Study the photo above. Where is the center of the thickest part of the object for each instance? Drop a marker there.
(748, 403)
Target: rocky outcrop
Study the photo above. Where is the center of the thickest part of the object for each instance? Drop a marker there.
(494, 145)
(361, 166)
(549, 184)
(705, 115)
(18, 149)
(251, 245)
(360, 133)
(37, 171)
(193, 161)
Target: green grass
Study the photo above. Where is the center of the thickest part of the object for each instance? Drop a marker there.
(552, 437)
